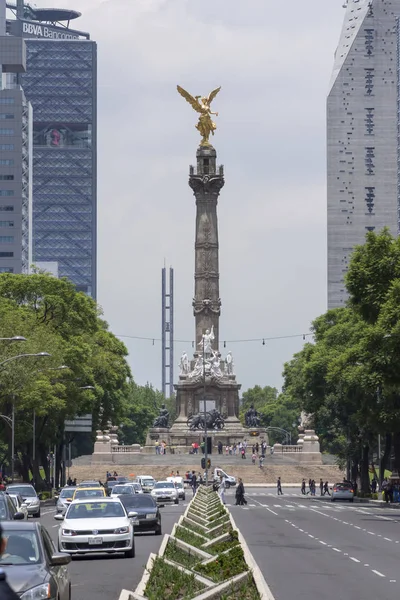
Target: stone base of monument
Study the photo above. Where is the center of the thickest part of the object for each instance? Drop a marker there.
(310, 449)
(156, 434)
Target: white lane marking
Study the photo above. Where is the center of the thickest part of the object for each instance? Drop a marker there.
(393, 581)
(366, 565)
(378, 573)
(371, 532)
(388, 539)
(302, 530)
(336, 549)
(355, 559)
(289, 505)
(311, 536)
(321, 542)
(56, 526)
(272, 511)
(357, 527)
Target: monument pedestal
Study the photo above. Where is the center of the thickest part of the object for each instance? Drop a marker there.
(156, 434)
(311, 450)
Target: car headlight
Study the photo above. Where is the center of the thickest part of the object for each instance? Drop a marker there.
(35, 502)
(121, 530)
(40, 592)
(150, 516)
(69, 532)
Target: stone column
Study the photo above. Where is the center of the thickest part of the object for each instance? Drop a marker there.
(206, 184)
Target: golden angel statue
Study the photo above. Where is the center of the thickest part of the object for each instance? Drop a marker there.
(203, 106)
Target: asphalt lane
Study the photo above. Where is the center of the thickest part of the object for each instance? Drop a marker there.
(306, 547)
(103, 577)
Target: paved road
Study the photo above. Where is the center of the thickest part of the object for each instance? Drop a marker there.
(103, 577)
(311, 548)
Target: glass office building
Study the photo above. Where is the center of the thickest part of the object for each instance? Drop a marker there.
(60, 83)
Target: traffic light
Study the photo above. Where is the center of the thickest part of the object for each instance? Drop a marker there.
(208, 463)
(203, 463)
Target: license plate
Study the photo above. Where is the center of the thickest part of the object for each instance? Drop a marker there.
(95, 541)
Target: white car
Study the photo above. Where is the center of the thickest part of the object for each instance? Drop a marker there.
(97, 525)
(125, 488)
(29, 496)
(147, 482)
(19, 504)
(165, 491)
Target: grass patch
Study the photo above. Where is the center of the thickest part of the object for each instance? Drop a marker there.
(231, 542)
(186, 559)
(223, 519)
(246, 591)
(223, 529)
(187, 537)
(195, 528)
(168, 583)
(224, 566)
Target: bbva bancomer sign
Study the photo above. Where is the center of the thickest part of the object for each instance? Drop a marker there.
(44, 31)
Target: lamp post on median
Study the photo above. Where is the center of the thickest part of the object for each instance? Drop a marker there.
(28, 355)
(205, 413)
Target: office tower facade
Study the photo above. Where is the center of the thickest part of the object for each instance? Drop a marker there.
(60, 82)
(362, 134)
(15, 159)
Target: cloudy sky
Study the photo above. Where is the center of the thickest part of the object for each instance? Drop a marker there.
(273, 60)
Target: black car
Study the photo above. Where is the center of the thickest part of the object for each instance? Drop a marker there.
(31, 562)
(145, 506)
(8, 510)
(109, 486)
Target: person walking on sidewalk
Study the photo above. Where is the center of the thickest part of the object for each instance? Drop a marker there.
(326, 488)
(321, 487)
(193, 482)
(240, 499)
(303, 487)
(279, 487)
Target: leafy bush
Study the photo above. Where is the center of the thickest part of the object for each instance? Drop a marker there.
(224, 566)
(168, 583)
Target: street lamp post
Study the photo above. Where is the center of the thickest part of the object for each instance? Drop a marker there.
(29, 355)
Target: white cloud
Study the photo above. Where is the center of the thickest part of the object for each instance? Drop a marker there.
(273, 61)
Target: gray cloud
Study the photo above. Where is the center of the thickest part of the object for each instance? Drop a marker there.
(273, 61)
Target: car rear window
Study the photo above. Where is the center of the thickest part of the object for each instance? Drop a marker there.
(137, 500)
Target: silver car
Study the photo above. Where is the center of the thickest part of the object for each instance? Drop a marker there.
(343, 491)
(65, 499)
(165, 492)
(29, 496)
(19, 504)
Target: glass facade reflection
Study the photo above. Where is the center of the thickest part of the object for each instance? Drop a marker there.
(60, 83)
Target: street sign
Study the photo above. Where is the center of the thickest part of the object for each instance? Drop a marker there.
(83, 424)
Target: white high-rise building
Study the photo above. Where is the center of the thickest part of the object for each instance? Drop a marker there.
(362, 134)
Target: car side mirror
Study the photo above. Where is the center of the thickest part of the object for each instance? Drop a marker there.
(19, 516)
(59, 517)
(132, 514)
(59, 559)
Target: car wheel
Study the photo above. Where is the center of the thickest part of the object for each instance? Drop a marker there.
(70, 593)
(184, 497)
(158, 531)
(351, 499)
(227, 485)
(131, 553)
(176, 501)
(37, 515)
(332, 499)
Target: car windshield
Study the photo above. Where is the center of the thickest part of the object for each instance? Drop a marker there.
(95, 510)
(138, 500)
(67, 492)
(147, 481)
(164, 484)
(25, 491)
(89, 484)
(123, 489)
(88, 494)
(22, 548)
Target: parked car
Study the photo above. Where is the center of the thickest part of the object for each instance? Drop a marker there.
(29, 495)
(19, 504)
(165, 492)
(148, 513)
(97, 525)
(8, 511)
(65, 498)
(33, 567)
(342, 491)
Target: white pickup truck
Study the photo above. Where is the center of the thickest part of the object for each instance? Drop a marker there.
(230, 481)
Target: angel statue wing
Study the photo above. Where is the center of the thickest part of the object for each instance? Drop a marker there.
(194, 103)
(212, 95)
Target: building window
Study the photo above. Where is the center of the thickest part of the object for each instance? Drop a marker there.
(6, 162)
(6, 254)
(6, 223)
(369, 41)
(6, 270)
(6, 131)
(369, 121)
(369, 81)
(7, 100)
(6, 239)
(6, 146)
(6, 192)
(6, 177)
(369, 198)
(7, 208)
(6, 116)
(369, 161)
